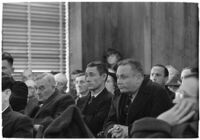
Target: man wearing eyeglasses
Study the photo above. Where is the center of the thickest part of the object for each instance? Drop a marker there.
(181, 121)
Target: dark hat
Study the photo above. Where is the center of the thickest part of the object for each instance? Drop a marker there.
(18, 98)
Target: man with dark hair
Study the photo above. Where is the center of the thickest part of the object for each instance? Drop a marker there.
(139, 97)
(15, 124)
(159, 74)
(7, 63)
(97, 102)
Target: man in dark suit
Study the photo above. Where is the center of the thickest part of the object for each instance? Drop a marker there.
(97, 103)
(15, 124)
(139, 97)
(52, 104)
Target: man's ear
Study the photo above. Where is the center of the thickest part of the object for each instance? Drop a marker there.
(13, 70)
(166, 79)
(104, 76)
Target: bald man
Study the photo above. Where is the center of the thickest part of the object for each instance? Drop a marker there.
(61, 82)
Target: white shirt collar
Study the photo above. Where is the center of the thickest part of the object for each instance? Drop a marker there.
(96, 94)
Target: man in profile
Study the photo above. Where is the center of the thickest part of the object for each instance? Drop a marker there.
(97, 103)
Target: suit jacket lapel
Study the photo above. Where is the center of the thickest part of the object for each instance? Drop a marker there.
(86, 101)
(46, 103)
(138, 103)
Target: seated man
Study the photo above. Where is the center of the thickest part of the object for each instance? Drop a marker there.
(97, 103)
(61, 82)
(81, 88)
(181, 121)
(139, 98)
(52, 104)
(15, 124)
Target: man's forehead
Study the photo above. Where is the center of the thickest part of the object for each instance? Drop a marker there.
(157, 69)
(91, 69)
(42, 81)
(124, 69)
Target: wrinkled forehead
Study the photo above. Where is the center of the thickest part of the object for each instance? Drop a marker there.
(125, 70)
(42, 81)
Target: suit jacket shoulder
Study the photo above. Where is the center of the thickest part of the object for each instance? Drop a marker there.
(16, 125)
(96, 112)
(52, 108)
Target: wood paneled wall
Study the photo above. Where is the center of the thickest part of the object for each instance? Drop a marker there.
(165, 33)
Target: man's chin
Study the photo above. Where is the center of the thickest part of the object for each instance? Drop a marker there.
(123, 91)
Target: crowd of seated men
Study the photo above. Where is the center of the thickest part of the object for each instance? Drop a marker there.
(113, 98)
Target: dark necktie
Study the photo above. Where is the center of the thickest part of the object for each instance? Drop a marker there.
(91, 99)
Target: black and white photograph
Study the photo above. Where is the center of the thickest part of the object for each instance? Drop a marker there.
(100, 69)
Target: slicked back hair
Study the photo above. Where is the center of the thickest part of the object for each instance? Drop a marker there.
(7, 56)
(135, 65)
(166, 72)
(101, 67)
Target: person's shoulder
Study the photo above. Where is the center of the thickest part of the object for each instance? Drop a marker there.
(20, 116)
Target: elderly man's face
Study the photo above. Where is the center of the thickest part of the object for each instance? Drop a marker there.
(188, 90)
(7, 68)
(44, 89)
(127, 79)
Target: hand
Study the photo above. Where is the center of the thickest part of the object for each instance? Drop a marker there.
(119, 131)
(179, 113)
